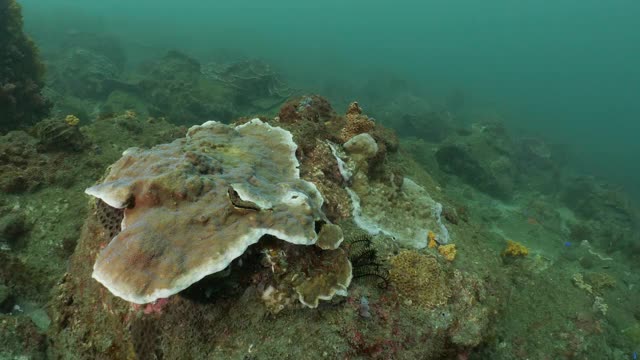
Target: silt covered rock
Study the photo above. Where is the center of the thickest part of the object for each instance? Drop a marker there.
(482, 158)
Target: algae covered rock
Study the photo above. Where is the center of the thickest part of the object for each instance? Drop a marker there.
(175, 87)
(482, 158)
(60, 135)
(196, 204)
(85, 73)
(21, 72)
(255, 83)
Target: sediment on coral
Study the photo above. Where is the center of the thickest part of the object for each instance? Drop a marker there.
(223, 200)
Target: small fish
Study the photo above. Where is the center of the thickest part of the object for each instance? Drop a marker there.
(635, 355)
(567, 243)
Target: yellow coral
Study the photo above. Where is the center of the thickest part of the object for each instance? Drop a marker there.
(515, 249)
(419, 278)
(448, 251)
(71, 120)
(432, 240)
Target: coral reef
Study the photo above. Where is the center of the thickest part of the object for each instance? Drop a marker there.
(321, 283)
(448, 251)
(19, 332)
(308, 108)
(515, 249)
(13, 225)
(433, 126)
(432, 243)
(419, 278)
(600, 282)
(60, 135)
(483, 158)
(20, 164)
(380, 196)
(254, 81)
(105, 45)
(175, 88)
(365, 260)
(538, 166)
(72, 120)
(356, 123)
(606, 215)
(84, 73)
(264, 288)
(21, 72)
(406, 213)
(251, 178)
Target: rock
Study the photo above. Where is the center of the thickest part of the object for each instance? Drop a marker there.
(21, 72)
(6, 299)
(12, 226)
(362, 145)
(482, 159)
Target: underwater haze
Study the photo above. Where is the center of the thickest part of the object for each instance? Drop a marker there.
(319, 180)
(567, 70)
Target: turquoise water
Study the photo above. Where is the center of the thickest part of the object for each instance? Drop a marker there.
(440, 180)
(568, 70)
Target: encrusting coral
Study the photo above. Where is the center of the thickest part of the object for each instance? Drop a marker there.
(72, 120)
(419, 278)
(196, 204)
(515, 249)
(432, 243)
(380, 198)
(357, 123)
(448, 251)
